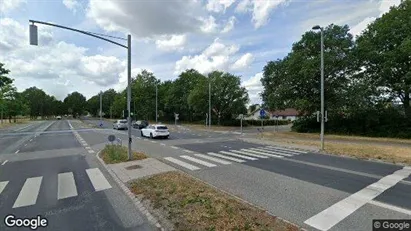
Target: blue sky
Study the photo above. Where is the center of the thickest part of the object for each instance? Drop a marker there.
(169, 36)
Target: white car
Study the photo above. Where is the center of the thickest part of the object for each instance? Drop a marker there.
(155, 130)
(120, 124)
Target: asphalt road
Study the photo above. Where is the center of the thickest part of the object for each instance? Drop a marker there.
(53, 176)
(315, 191)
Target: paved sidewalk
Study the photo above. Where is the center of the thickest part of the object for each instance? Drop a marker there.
(132, 170)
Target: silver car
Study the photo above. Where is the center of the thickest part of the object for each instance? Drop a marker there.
(120, 124)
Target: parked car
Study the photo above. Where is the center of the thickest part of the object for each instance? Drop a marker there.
(120, 124)
(58, 117)
(140, 124)
(155, 130)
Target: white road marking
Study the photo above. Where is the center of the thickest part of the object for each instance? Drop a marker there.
(188, 151)
(209, 136)
(391, 207)
(249, 153)
(17, 151)
(97, 179)
(90, 151)
(28, 194)
(4, 162)
(162, 144)
(152, 141)
(205, 163)
(71, 127)
(238, 155)
(174, 147)
(182, 163)
(138, 138)
(3, 184)
(265, 152)
(213, 159)
(262, 153)
(285, 149)
(25, 145)
(31, 140)
(88, 148)
(340, 210)
(226, 157)
(66, 186)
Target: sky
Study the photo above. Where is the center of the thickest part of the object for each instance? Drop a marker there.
(168, 37)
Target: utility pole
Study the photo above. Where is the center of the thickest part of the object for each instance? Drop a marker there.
(156, 103)
(101, 107)
(209, 102)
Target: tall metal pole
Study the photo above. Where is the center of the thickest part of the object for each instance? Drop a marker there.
(322, 90)
(156, 103)
(101, 106)
(209, 102)
(129, 94)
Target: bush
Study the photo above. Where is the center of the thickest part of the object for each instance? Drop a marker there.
(113, 154)
(383, 122)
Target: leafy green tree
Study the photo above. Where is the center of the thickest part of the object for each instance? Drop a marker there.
(228, 98)
(384, 50)
(119, 105)
(144, 95)
(295, 80)
(76, 103)
(5, 88)
(93, 105)
(36, 100)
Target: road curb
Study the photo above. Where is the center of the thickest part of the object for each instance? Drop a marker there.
(137, 202)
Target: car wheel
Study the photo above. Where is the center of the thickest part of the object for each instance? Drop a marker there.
(167, 137)
(151, 135)
(142, 135)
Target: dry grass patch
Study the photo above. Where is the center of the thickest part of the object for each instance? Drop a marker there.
(363, 151)
(295, 135)
(113, 154)
(192, 205)
(213, 128)
(6, 123)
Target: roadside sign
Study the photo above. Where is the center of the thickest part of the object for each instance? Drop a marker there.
(262, 113)
(111, 138)
(176, 116)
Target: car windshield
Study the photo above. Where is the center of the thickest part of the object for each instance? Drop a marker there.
(123, 121)
(161, 127)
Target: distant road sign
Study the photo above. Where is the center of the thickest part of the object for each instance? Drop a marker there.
(262, 113)
(111, 138)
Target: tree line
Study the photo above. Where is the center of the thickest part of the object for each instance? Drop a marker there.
(187, 96)
(367, 78)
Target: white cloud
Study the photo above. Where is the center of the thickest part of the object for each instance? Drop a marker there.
(54, 63)
(209, 26)
(214, 57)
(243, 62)
(254, 87)
(72, 5)
(230, 25)
(9, 5)
(219, 5)
(261, 10)
(171, 43)
(384, 7)
(148, 18)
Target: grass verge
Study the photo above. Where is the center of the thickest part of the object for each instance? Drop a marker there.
(113, 154)
(192, 205)
(394, 154)
(6, 123)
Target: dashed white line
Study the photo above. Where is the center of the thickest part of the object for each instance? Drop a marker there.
(25, 145)
(4, 162)
(90, 151)
(174, 147)
(188, 151)
(163, 144)
(152, 141)
(17, 151)
(391, 207)
(31, 140)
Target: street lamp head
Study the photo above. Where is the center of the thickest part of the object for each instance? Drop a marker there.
(33, 35)
(317, 27)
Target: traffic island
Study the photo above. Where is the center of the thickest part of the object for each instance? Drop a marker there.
(113, 154)
(186, 203)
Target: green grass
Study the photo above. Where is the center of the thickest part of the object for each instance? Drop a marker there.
(113, 154)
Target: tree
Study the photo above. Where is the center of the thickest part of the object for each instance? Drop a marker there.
(384, 53)
(5, 88)
(144, 95)
(93, 105)
(36, 100)
(76, 103)
(177, 100)
(227, 96)
(295, 80)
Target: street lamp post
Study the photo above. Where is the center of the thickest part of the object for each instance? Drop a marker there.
(101, 107)
(322, 85)
(209, 102)
(156, 103)
(34, 41)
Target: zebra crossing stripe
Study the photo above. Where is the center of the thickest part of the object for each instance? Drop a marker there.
(97, 179)
(247, 152)
(182, 163)
(238, 155)
(269, 153)
(213, 159)
(3, 184)
(29, 192)
(226, 157)
(66, 185)
(205, 163)
(281, 151)
(285, 149)
(265, 152)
